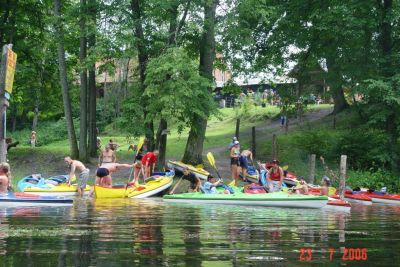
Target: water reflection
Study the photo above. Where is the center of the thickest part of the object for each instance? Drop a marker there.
(126, 232)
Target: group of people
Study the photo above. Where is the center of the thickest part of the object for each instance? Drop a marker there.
(239, 160)
(303, 187)
(209, 187)
(144, 163)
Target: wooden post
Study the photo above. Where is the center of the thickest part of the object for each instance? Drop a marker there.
(253, 141)
(237, 128)
(311, 178)
(286, 125)
(274, 147)
(3, 104)
(334, 121)
(342, 176)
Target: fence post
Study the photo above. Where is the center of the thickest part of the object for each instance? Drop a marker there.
(253, 141)
(312, 169)
(342, 176)
(274, 147)
(237, 128)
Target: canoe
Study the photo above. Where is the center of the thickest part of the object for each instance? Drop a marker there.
(278, 199)
(153, 185)
(45, 187)
(357, 198)
(24, 199)
(179, 166)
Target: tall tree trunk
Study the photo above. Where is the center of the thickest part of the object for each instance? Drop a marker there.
(387, 69)
(161, 137)
(35, 117)
(83, 152)
(63, 80)
(334, 81)
(92, 131)
(194, 146)
(142, 58)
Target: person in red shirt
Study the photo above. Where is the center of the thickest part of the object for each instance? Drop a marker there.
(149, 162)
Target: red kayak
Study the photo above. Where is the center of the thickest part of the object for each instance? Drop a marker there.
(380, 198)
(334, 202)
(359, 198)
(255, 189)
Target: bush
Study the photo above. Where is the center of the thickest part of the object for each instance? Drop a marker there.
(321, 142)
(365, 148)
(373, 180)
(46, 132)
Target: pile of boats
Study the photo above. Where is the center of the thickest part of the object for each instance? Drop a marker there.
(35, 190)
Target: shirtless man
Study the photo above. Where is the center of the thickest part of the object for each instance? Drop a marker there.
(107, 156)
(76, 165)
(5, 181)
(244, 161)
(103, 174)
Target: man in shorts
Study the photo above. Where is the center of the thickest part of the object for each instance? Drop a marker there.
(76, 165)
(149, 163)
(107, 156)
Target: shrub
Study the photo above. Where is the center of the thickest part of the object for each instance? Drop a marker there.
(320, 142)
(365, 148)
(374, 180)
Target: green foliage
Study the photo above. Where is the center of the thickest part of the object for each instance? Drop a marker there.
(47, 132)
(231, 88)
(321, 142)
(176, 90)
(374, 180)
(365, 148)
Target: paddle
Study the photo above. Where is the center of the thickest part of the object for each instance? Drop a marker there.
(211, 159)
(171, 192)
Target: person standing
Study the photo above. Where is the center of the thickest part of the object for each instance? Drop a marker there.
(76, 165)
(244, 161)
(5, 178)
(149, 163)
(275, 177)
(107, 156)
(234, 155)
(33, 139)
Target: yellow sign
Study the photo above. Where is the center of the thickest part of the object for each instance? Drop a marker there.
(10, 70)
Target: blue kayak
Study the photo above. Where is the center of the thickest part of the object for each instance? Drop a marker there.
(22, 199)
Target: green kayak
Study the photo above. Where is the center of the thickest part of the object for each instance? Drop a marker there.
(278, 199)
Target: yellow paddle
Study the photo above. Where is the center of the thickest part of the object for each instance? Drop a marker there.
(211, 159)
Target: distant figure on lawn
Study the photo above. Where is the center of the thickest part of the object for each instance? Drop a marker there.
(33, 139)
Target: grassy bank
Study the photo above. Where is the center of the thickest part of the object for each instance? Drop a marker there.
(48, 159)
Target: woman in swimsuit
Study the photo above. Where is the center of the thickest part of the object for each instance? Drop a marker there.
(235, 153)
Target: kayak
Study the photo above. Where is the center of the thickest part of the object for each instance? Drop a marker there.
(252, 174)
(380, 197)
(333, 204)
(53, 186)
(179, 166)
(338, 205)
(23, 199)
(358, 198)
(153, 185)
(278, 199)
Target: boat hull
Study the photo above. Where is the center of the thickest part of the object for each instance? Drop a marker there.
(24, 200)
(267, 200)
(148, 189)
(179, 166)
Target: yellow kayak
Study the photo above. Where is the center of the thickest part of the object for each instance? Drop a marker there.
(45, 187)
(198, 172)
(155, 184)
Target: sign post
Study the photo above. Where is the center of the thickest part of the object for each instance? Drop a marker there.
(7, 71)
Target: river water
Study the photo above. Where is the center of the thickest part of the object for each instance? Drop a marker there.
(149, 232)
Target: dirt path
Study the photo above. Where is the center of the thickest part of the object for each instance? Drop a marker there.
(264, 131)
